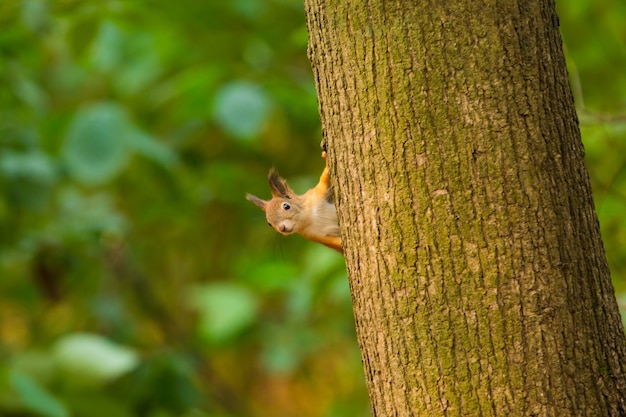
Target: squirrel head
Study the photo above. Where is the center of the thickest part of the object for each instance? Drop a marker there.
(283, 210)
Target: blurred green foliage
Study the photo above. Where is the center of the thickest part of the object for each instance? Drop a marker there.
(135, 280)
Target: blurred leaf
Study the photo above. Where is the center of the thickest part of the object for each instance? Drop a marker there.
(30, 92)
(250, 9)
(34, 165)
(100, 141)
(29, 178)
(258, 54)
(107, 47)
(35, 398)
(96, 144)
(241, 109)
(130, 56)
(225, 310)
(300, 299)
(149, 147)
(82, 215)
(281, 358)
(90, 359)
(286, 346)
(35, 14)
(141, 66)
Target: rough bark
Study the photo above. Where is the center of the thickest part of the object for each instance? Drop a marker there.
(478, 276)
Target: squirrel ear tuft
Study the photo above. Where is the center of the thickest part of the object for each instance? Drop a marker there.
(278, 185)
(257, 201)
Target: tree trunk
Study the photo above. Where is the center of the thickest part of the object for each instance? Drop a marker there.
(478, 276)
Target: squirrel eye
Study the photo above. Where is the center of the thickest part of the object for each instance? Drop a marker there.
(286, 206)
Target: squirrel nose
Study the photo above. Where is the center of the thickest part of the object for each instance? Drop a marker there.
(285, 228)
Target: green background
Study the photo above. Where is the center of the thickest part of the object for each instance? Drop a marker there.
(135, 279)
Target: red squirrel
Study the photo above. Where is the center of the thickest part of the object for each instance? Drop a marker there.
(311, 214)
